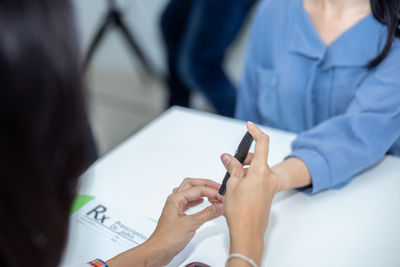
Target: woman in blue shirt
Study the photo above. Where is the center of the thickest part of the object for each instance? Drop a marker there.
(330, 71)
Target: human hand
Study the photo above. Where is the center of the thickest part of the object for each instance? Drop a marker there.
(175, 229)
(248, 197)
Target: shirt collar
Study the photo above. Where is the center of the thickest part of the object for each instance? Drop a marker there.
(304, 38)
(355, 47)
(358, 45)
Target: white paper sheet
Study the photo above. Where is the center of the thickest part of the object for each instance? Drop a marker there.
(100, 230)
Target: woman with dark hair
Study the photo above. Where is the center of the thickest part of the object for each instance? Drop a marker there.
(43, 150)
(43, 129)
(330, 71)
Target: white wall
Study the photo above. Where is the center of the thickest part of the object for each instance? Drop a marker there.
(141, 17)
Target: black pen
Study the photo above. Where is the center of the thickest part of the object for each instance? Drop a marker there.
(240, 155)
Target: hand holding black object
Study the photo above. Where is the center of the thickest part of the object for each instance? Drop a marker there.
(240, 155)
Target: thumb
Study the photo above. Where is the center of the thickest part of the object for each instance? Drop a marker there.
(232, 165)
(210, 213)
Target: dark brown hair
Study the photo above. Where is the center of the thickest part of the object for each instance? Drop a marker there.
(43, 129)
(386, 12)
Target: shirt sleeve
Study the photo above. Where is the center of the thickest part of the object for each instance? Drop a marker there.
(339, 148)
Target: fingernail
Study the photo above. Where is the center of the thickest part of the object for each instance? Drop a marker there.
(250, 123)
(226, 159)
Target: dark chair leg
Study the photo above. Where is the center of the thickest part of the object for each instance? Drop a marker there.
(96, 40)
(114, 18)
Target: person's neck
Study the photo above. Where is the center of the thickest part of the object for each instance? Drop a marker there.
(335, 7)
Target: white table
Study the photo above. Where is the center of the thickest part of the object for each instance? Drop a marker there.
(357, 225)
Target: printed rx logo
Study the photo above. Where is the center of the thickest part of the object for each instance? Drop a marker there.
(98, 213)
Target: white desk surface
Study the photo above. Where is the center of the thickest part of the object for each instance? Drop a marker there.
(357, 225)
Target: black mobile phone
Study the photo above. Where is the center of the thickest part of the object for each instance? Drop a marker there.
(240, 155)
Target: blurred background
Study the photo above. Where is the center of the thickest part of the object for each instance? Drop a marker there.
(123, 96)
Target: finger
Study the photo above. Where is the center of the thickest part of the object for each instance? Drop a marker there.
(208, 214)
(195, 193)
(232, 182)
(246, 170)
(215, 201)
(220, 199)
(232, 165)
(199, 201)
(262, 143)
(189, 182)
(193, 204)
(249, 159)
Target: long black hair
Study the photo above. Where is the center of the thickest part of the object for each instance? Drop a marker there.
(43, 129)
(386, 12)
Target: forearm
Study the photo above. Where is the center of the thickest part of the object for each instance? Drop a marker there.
(292, 173)
(247, 245)
(148, 254)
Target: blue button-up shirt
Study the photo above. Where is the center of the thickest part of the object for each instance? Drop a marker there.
(347, 114)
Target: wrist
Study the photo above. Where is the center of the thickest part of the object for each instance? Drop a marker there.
(155, 252)
(249, 245)
(282, 178)
(282, 171)
(292, 173)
